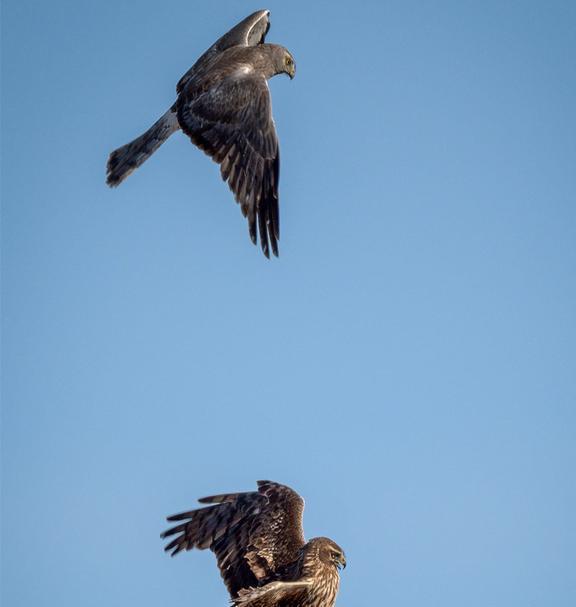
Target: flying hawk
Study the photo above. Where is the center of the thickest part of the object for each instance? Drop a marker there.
(258, 540)
(224, 106)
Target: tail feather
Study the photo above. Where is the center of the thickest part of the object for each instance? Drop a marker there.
(124, 160)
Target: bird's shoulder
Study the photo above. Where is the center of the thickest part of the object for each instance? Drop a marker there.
(232, 63)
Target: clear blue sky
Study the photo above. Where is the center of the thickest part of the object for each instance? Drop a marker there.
(408, 364)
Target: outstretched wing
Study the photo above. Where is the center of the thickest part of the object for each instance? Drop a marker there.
(252, 534)
(232, 122)
(273, 594)
(249, 32)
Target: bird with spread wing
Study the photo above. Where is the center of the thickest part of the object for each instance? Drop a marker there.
(259, 544)
(224, 106)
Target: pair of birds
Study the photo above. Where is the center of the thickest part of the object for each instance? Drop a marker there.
(223, 105)
(259, 544)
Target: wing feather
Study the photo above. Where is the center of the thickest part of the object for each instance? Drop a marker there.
(251, 31)
(232, 122)
(253, 534)
(274, 593)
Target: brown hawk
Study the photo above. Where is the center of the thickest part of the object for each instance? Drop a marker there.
(258, 540)
(224, 106)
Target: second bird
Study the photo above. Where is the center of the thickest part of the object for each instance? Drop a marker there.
(224, 106)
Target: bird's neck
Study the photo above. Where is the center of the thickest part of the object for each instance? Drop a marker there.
(325, 583)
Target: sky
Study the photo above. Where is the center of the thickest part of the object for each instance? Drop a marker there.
(408, 364)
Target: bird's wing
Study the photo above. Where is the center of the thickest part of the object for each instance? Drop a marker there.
(231, 121)
(252, 534)
(249, 32)
(274, 593)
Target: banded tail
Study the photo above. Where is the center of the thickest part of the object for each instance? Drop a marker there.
(124, 160)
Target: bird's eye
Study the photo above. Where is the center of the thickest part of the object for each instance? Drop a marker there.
(335, 555)
(288, 61)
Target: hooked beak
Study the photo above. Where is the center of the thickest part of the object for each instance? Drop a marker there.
(341, 562)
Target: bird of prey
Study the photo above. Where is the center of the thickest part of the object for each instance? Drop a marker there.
(258, 540)
(223, 105)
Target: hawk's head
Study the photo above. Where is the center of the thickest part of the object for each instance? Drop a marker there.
(279, 58)
(328, 552)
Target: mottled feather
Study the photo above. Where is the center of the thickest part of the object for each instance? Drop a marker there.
(274, 593)
(252, 534)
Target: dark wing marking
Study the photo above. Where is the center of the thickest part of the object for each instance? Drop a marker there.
(274, 593)
(232, 122)
(249, 32)
(252, 534)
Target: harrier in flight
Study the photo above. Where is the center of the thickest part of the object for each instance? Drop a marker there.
(223, 105)
(258, 540)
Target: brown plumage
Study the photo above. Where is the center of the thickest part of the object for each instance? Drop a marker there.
(259, 544)
(224, 106)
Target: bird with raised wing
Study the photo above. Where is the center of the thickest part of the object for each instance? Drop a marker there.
(224, 106)
(259, 544)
